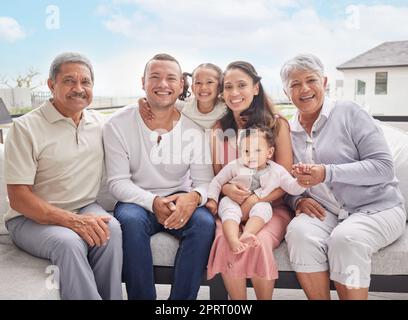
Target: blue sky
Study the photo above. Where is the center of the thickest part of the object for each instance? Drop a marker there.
(119, 36)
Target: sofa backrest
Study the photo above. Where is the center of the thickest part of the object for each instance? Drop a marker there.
(398, 143)
(3, 192)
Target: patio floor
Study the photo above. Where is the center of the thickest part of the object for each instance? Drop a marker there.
(283, 294)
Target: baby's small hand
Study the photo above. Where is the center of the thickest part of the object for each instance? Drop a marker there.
(302, 168)
(212, 206)
(297, 168)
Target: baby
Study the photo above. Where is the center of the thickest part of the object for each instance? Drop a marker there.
(254, 170)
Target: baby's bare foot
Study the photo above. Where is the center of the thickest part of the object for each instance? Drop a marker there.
(237, 246)
(250, 239)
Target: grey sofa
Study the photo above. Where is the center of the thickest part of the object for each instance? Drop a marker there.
(23, 276)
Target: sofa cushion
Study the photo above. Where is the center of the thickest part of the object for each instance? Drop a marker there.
(390, 260)
(3, 193)
(23, 276)
(164, 248)
(398, 143)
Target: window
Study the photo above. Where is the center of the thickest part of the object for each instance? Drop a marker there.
(360, 88)
(381, 82)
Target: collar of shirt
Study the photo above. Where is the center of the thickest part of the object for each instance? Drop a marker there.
(53, 115)
(328, 106)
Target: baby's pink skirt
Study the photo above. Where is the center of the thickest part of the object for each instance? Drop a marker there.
(253, 262)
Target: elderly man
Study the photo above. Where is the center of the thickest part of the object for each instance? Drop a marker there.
(149, 166)
(54, 162)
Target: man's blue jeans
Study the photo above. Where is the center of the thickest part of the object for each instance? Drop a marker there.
(196, 238)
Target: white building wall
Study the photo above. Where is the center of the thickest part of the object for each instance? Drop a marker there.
(395, 102)
(16, 97)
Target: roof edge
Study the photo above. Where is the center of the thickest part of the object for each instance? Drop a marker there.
(372, 67)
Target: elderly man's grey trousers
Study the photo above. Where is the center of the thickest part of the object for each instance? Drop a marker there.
(84, 272)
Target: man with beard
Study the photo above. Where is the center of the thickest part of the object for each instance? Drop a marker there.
(149, 164)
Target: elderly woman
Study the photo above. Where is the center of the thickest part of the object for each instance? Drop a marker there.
(352, 207)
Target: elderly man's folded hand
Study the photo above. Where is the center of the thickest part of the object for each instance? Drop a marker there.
(92, 228)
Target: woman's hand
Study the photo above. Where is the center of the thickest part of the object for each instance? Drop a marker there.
(235, 193)
(310, 207)
(309, 175)
(247, 205)
(212, 205)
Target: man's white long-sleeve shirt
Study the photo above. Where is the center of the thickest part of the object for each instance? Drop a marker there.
(139, 168)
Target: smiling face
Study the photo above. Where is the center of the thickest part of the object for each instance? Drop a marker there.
(162, 83)
(205, 84)
(306, 90)
(72, 89)
(239, 90)
(255, 151)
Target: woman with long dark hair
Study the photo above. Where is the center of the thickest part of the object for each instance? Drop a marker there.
(248, 105)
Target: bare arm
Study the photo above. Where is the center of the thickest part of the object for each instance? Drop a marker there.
(145, 110)
(215, 147)
(92, 229)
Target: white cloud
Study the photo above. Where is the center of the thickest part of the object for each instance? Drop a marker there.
(10, 30)
(119, 24)
(122, 75)
(263, 32)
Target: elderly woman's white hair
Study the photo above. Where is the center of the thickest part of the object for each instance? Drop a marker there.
(305, 62)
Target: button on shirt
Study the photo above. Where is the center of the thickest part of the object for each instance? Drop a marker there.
(321, 192)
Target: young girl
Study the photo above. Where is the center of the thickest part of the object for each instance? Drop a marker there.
(255, 172)
(206, 107)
